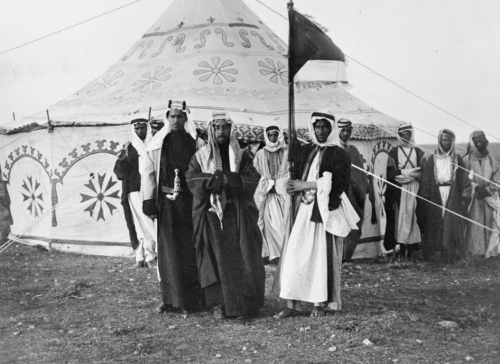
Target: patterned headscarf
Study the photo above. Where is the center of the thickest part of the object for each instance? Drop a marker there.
(344, 123)
(213, 147)
(404, 143)
(280, 143)
(333, 138)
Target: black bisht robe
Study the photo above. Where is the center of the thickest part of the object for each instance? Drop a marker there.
(444, 234)
(176, 253)
(393, 196)
(127, 170)
(229, 258)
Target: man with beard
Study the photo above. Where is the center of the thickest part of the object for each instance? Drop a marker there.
(271, 197)
(310, 266)
(358, 187)
(228, 241)
(485, 206)
(142, 229)
(403, 170)
(170, 200)
(445, 183)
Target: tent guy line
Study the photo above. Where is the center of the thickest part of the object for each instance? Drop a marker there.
(67, 28)
(422, 198)
(401, 87)
(432, 153)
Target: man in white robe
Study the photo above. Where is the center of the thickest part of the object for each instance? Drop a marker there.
(127, 168)
(271, 197)
(310, 266)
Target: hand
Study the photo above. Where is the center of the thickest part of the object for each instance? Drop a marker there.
(296, 186)
(123, 155)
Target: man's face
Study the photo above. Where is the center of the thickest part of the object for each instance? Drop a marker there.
(322, 129)
(481, 143)
(273, 136)
(406, 135)
(222, 131)
(177, 119)
(446, 142)
(141, 130)
(345, 134)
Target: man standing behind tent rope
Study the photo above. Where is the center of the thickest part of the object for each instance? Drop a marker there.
(358, 186)
(168, 197)
(446, 184)
(403, 170)
(271, 197)
(485, 206)
(311, 263)
(142, 230)
(228, 241)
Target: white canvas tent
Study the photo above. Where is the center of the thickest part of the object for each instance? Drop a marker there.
(215, 55)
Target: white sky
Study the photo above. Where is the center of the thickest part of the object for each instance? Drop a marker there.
(446, 51)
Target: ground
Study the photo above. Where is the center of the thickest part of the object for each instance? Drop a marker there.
(62, 308)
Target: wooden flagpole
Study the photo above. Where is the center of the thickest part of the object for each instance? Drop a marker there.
(292, 138)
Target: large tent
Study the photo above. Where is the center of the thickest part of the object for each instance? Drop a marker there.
(215, 55)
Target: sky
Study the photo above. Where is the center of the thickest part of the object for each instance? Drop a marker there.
(446, 51)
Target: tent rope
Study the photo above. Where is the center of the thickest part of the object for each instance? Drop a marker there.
(456, 165)
(422, 198)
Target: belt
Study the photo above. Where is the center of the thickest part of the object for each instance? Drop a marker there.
(444, 185)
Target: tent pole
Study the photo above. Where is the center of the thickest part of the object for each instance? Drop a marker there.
(50, 127)
(14, 116)
(292, 138)
(149, 115)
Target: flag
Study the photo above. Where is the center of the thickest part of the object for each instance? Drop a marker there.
(308, 42)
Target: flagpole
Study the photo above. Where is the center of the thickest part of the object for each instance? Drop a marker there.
(292, 137)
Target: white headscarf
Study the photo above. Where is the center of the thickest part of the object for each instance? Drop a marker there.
(137, 143)
(189, 126)
(280, 142)
(403, 143)
(333, 138)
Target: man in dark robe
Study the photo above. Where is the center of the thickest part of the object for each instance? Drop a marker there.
(485, 206)
(358, 187)
(169, 154)
(445, 182)
(403, 170)
(311, 262)
(228, 241)
(142, 230)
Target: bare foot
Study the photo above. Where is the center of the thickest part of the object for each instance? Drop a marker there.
(287, 312)
(318, 312)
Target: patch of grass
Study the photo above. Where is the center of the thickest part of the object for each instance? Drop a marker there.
(59, 308)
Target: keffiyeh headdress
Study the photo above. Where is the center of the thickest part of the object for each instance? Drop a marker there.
(280, 142)
(402, 128)
(137, 143)
(471, 148)
(213, 147)
(344, 123)
(333, 138)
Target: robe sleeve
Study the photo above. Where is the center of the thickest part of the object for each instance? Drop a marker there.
(121, 165)
(202, 184)
(340, 167)
(392, 167)
(245, 182)
(359, 180)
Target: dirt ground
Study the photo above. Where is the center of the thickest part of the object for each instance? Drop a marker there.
(62, 308)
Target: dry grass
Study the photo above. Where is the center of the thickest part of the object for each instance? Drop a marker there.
(58, 308)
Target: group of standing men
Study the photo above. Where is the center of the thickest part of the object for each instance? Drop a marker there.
(217, 212)
(448, 203)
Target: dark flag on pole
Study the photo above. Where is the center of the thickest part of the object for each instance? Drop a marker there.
(307, 41)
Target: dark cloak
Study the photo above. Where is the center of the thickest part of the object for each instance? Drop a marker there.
(393, 196)
(446, 234)
(358, 188)
(127, 170)
(229, 259)
(176, 252)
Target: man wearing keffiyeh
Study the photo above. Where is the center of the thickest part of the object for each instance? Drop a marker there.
(169, 153)
(485, 206)
(403, 170)
(271, 197)
(227, 238)
(358, 187)
(445, 182)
